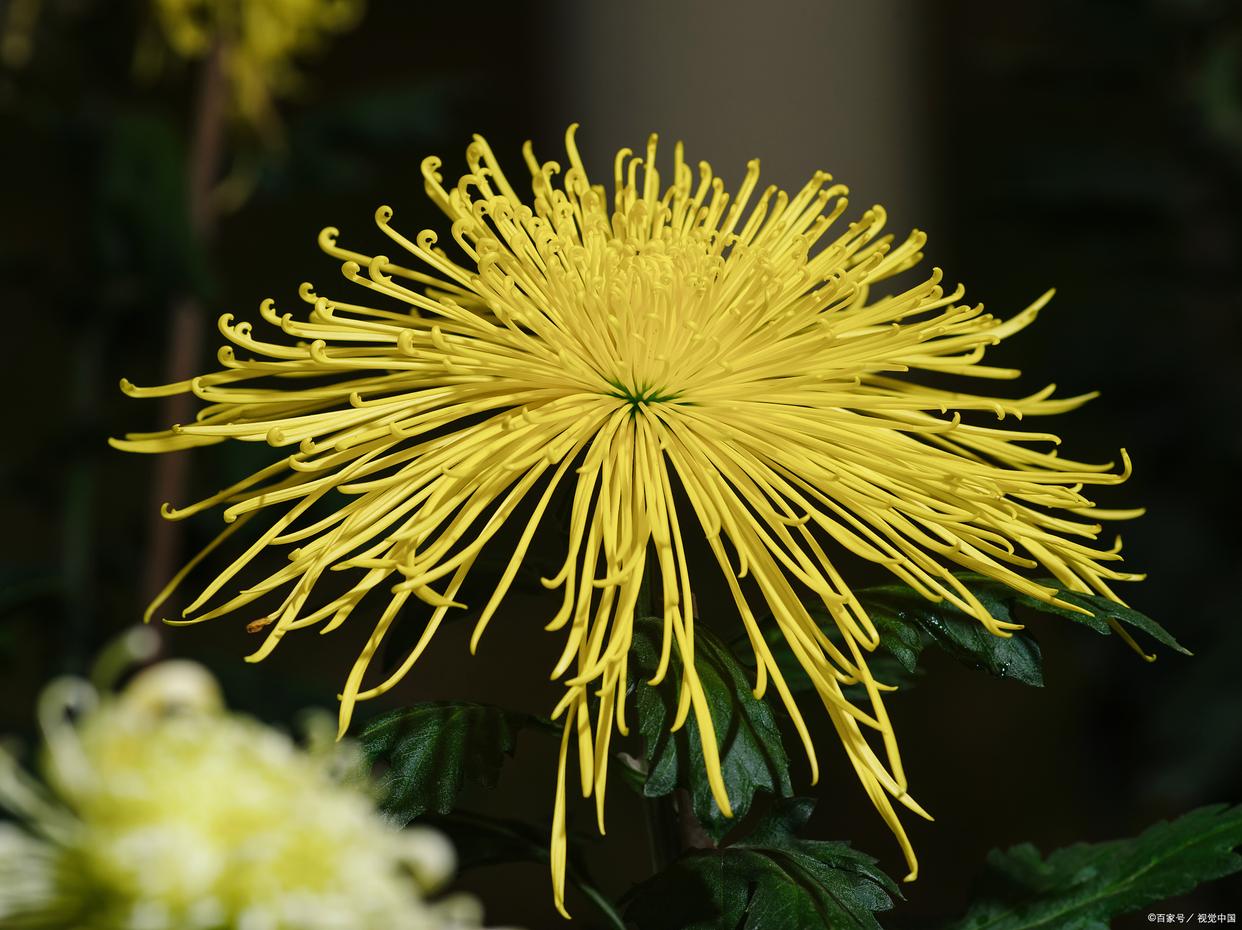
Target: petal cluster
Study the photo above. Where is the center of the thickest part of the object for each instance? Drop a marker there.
(674, 361)
(162, 811)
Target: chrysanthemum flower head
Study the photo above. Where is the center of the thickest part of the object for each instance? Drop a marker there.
(167, 813)
(682, 362)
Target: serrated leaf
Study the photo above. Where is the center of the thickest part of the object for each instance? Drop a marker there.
(1082, 887)
(892, 668)
(772, 879)
(432, 749)
(908, 622)
(752, 757)
(1102, 610)
(1000, 599)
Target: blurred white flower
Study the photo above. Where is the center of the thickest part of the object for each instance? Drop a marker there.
(161, 811)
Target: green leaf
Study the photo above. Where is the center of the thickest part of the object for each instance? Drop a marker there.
(1083, 887)
(433, 748)
(900, 603)
(892, 668)
(908, 622)
(752, 757)
(772, 879)
(1102, 610)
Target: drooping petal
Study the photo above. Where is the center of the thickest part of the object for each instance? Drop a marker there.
(674, 361)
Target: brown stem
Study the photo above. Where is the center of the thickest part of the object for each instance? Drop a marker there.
(690, 833)
(185, 325)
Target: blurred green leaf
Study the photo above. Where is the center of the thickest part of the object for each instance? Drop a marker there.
(1082, 887)
(143, 220)
(432, 749)
(480, 840)
(335, 142)
(772, 879)
(752, 757)
(22, 586)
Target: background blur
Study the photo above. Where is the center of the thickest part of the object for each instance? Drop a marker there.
(1091, 146)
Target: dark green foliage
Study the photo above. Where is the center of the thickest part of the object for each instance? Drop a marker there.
(772, 879)
(1101, 609)
(1083, 887)
(908, 623)
(432, 749)
(752, 757)
(143, 224)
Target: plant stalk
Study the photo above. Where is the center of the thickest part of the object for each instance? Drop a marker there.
(185, 330)
(672, 827)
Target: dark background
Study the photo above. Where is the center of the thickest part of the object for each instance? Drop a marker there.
(1091, 146)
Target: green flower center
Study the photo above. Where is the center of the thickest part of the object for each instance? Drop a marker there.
(643, 394)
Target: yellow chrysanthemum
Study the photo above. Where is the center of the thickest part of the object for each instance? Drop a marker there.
(17, 26)
(162, 811)
(260, 40)
(660, 348)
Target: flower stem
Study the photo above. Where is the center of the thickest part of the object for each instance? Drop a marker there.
(690, 832)
(672, 827)
(185, 331)
(661, 817)
(603, 905)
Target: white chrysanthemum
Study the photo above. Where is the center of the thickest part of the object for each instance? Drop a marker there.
(169, 814)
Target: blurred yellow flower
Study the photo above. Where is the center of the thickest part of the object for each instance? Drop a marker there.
(259, 40)
(676, 358)
(17, 25)
(163, 812)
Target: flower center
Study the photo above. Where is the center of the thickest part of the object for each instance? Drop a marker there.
(643, 394)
